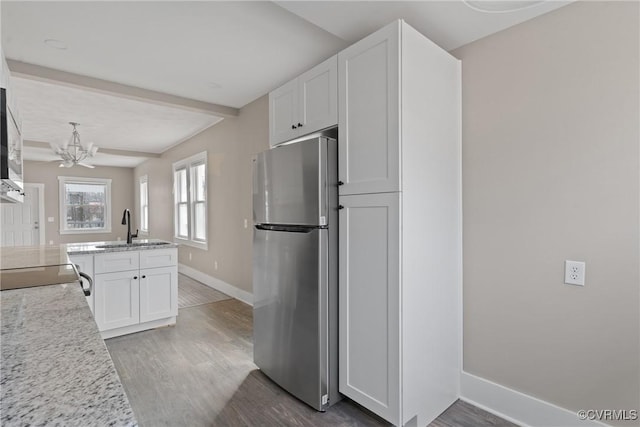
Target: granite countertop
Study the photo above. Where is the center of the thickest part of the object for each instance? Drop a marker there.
(116, 246)
(32, 256)
(56, 369)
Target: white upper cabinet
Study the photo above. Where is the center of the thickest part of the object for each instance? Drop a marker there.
(304, 105)
(369, 99)
(283, 113)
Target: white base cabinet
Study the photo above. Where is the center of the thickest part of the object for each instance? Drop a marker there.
(135, 290)
(158, 293)
(400, 225)
(117, 300)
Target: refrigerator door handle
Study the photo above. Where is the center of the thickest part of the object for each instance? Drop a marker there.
(287, 228)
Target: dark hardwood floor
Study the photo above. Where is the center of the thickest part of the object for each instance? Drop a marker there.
(200, 373)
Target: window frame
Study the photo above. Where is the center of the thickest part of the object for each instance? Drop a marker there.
(144, 179)
(189, 165)
(62, 203)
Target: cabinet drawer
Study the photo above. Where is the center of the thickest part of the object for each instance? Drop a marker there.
(117, 261)
(158, 258)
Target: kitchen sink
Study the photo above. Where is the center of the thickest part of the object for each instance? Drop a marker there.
(132, 245)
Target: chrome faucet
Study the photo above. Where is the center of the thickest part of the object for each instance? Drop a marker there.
(126, 220)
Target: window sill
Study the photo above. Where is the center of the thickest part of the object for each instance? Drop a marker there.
(186, 242)
(86, 231)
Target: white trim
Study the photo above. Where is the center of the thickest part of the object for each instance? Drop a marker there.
(188, 165)
(41, 220)
(192, 243)
(138, 327)
(517, 407)
(217, 284)
(141, 179)
(62, 180)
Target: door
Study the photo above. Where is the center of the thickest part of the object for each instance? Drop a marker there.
(117, 299)
(290, 184)
(318, 97)
(369, 113)
(369, 316)
(289, 328)
(283, 113)
(158, 293)
(21, 222)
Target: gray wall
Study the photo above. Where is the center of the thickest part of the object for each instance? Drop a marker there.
(230, 146)
(551, 173)
(122, 194)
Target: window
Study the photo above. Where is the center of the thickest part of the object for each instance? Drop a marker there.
(144, 204)
(190, 200)
(85, 205)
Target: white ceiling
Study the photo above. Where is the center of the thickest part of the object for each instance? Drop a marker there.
(106, 120)
(450, 24)
(220, 52)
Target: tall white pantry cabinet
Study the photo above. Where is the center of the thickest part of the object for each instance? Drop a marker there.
(399, 127)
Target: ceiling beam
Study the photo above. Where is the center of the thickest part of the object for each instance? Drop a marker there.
(112, 151)
(50, 75)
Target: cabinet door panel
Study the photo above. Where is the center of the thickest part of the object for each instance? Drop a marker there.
(283, 113)
(369, 302)
(369, 113)
(318, 97)
(117, 299)
(116, 261)
(158, 293)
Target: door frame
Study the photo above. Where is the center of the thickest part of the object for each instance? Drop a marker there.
(41, 223)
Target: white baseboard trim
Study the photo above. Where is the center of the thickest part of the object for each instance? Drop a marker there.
(517, 407)
(217, 284)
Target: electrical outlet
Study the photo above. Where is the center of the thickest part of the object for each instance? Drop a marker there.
(574, 272)
(215, 265)
(189, 256)
(246, 223)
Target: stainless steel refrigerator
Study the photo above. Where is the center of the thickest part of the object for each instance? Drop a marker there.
(295, 274)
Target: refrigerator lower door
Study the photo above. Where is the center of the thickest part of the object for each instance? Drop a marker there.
(290, 316)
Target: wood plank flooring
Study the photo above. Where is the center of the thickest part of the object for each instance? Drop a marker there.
(200, 373)
(192, 293)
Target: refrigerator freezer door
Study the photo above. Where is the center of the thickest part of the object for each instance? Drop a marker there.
(290, 311)
(289, 184)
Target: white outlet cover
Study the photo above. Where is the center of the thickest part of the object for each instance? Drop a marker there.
(574, 272)
(50, 219)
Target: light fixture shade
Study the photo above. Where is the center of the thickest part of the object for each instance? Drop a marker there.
(72, 152)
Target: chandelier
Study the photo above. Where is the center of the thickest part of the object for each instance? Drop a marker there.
(73, 152)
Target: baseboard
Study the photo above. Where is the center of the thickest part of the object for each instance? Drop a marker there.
(517, 407)
(217, 284)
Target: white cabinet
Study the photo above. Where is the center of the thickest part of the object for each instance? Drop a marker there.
(135, 290)
(400, 225)
(117, 299)
(304, 105)
(84, 264)
(369, 99)
(158, 293)
(117, 261)
(369, 302)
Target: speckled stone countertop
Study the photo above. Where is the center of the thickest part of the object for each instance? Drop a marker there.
(56, 369)
(32, 256)
(116, 246)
